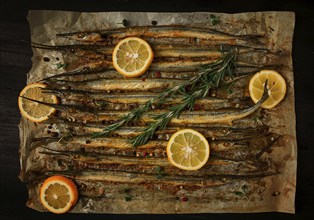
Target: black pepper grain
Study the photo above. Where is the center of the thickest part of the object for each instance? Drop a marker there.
(154, 22)
(46, 59)
(54, 134)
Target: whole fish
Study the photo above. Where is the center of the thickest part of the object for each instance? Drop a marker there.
(187, 117)
(145, 165)
(236, 147)
(156, 32)
(101, 51)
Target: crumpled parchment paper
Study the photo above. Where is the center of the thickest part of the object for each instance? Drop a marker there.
(277, 27)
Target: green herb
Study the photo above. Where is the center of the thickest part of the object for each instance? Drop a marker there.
(59, 162)
(257, 118)
(70, 167)
(228, 86)
(127, 195)
(65, 136)
(210, 76)
(245, 188)
(124, 22)
(127, 190)
(243, 191)
(101, 103)
(160, 172)
(62, 65)
(238, 193)
(154, 22)
(214, 19)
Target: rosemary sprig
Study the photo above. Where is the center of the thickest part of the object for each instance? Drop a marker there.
(214, 19)
(210, 76)
(136, 113)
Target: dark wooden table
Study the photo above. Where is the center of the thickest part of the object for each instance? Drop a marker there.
(16, 62)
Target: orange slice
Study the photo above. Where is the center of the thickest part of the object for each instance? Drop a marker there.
(58, 194)
(276, 85)
(132, 56)
(32, 110)
(188, 149)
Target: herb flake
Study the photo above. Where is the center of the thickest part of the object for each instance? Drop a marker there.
(127, 195)
(214, 19)
(160, 172)
(62, 65)
(238, 193)
(124, 22)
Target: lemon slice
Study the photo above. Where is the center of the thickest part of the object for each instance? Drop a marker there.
(58, 194)
(132, 56)
(32, 110)
(276, 86)
(188, 149)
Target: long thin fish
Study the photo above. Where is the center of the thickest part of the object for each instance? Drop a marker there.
(156, 32)
(159, 50)
(233, 147)
(187, 117)
(132, 84)
(147, 165)
(82, 133)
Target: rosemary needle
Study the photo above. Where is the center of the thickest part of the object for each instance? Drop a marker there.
(210, 76)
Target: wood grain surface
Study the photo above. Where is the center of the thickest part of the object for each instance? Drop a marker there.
(15, 62)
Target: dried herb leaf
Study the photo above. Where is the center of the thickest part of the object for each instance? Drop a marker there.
(238, 193)
(160, 172)
(127, 195)
(62, 65)
(245, 188)
(154, 22)
(214, 19)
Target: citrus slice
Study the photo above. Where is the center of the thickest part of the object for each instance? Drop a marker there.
(276, 85)
(58, 194)
(188, 149)
(32, 110)
(132, 56)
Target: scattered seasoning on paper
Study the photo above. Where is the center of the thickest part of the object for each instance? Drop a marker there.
(127, 195)
(227, 87)
(62, 65)
(157, 74)
(160, 172)
(46, 59)
(275, 193)
(242, 191)
(214, 19)
(124, 22)
(154, 23)
(238, 193)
